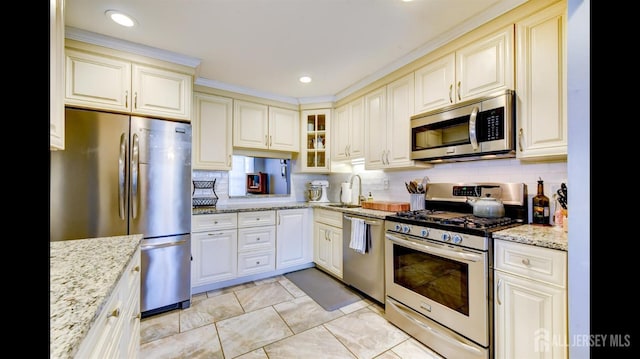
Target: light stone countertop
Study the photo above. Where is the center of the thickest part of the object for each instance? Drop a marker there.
(290, 205)
(83, 273)
(537, 235)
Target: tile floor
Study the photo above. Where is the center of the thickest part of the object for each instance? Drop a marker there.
(272, 318)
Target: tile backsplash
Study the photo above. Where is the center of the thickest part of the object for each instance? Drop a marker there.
(389, 185)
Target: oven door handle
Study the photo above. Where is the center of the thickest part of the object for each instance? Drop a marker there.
(455, 255)
(409, 315)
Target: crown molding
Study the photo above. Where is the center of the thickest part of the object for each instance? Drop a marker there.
(131, 47)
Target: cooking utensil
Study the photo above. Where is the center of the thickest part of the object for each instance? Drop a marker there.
(562, 195)
(413, 187)
(408, 187)
(424, 184)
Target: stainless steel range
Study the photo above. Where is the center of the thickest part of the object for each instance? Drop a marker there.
(439, 266)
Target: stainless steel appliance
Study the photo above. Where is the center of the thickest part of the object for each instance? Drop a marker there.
(364, 271)
(122, 175)
(438, 267)
(476, 129)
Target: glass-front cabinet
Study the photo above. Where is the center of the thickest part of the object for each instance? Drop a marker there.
(315, 149)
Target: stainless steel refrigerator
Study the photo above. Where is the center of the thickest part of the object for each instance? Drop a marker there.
(119, 175)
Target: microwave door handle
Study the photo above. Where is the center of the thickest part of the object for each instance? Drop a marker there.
(472, 128)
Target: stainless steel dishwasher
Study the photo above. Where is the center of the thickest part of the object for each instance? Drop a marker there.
(364, 272)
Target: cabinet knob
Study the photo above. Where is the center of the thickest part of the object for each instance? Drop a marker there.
(258, 238)
(115, 313)
(136, 269)
(525, 261)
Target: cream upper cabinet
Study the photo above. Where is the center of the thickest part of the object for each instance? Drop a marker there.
(105, 82)
(541, 88)
(348, 131)
(435, 84)
(482, 67)
(263, 127)
(315, 150)
(212, 125)
(530, 301)
(56, 74)
(387, 126)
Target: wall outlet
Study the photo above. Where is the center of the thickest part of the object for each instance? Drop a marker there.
(385, 183)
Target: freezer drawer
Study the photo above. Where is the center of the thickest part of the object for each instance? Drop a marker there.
(166, 272)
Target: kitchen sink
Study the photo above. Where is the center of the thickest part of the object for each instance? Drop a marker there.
(345, 205)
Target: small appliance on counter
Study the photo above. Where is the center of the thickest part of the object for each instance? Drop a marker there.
(317, 191)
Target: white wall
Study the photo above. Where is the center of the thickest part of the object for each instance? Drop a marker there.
(578, 95)
(500, 170)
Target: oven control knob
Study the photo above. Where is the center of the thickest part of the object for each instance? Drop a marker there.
(398, 228)
(406, 229)
(424, 232)
(456, 238)
(446, 237)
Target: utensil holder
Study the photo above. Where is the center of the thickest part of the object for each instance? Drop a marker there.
(416, 201)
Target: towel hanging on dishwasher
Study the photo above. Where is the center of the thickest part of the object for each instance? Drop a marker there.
(360, 236)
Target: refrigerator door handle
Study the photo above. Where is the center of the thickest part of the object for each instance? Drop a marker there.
(135, 161)
(122, 158)
(162, 245)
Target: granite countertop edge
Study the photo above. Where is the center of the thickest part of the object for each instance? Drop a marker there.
(536, 235)
(371, 213)
(83, 274)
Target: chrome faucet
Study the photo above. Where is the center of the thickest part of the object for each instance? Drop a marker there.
(360, 196)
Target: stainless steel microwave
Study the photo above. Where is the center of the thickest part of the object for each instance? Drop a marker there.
(477, 129)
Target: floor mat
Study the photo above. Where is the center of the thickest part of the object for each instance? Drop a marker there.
(325, 290)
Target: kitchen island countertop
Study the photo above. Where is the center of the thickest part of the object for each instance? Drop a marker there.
(82, 275)
(537, 235)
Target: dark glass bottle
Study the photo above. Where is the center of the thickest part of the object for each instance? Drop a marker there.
(541, 209)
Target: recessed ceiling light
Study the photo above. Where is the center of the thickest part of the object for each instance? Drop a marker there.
(305, 79)
(120, 18)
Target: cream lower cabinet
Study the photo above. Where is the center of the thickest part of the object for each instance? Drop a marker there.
(212, 125)
(293, 237)
(263, 127)
(256, 242)
(542, 85)
(98, 78)
(214, 247)
(327, 240)
(116, 331)
(530, 301)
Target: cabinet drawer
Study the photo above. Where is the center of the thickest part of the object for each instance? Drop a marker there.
(212, 222)
(256, 218)
(326, 216)
(256, 262)
(256, 238)
(544, 264)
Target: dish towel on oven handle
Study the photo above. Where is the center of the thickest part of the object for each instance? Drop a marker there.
(360, 237)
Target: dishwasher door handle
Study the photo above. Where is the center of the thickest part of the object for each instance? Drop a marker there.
(371, 223)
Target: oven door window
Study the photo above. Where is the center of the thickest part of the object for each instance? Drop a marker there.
(441, 134)
(440, 279)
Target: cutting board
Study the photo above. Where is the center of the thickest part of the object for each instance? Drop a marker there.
(386, 206)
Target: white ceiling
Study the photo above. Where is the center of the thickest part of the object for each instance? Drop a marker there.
(262, 47)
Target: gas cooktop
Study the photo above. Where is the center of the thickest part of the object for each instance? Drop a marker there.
(454, 219)
(447, 208)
